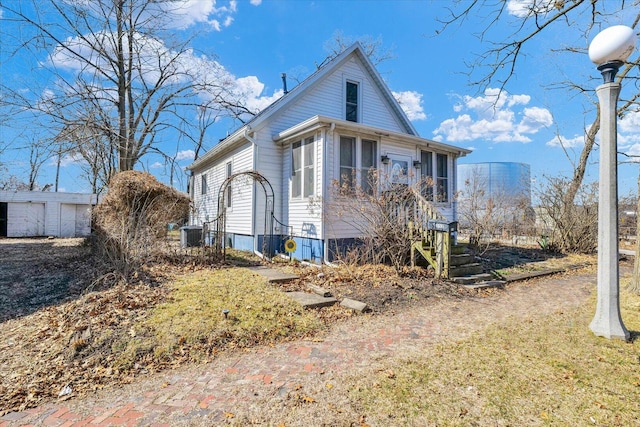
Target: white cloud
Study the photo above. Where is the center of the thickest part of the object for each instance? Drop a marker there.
(183, 14)
(630, 122)
(524, 8)
(249, 89)
(633, 151)
(185, 155)
(495, 116)
(67, 160)
(156, 165)
(411, 103)
(561, 141)
(255, 2)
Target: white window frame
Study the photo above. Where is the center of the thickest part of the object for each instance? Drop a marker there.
(357, 169)
(228, 171)
(305, 168)
(203, 184)
(435, 195)
(359, 85)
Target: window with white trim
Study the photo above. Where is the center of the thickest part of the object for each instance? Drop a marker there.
(351, 101)
(203, 184)
(303, 168)
(358, 163)
(229, 191)
(437, 183)
(442, 181)
(368, 163)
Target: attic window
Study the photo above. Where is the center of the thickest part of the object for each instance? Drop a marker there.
(351, 111)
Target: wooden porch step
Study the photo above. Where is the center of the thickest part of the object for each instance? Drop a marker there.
(462, 259)
(473, 278)
(465, 270)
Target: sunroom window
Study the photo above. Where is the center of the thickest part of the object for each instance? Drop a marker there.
(303, 168)
(437, 183)
(358, 163)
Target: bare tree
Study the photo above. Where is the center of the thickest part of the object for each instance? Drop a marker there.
(533, 20)
(373, 47)
(120, 78)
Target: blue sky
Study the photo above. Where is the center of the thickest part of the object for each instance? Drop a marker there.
(255, 41)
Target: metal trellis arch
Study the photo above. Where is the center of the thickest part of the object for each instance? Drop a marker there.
(221, 223)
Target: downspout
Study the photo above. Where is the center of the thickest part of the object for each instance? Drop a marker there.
(324, 189)
(253, 190)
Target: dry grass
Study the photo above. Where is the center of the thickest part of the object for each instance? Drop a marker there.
(544, 371)
(194, 319)
(119, 334)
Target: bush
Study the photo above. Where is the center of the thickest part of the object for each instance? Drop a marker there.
(131, 220)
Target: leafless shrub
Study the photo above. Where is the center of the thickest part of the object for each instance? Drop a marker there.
(379, 213)
(131, 220)
(571, 228)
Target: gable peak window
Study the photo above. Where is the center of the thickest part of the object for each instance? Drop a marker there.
(351, 110)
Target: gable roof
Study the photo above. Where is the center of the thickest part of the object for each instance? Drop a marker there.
(298, 91)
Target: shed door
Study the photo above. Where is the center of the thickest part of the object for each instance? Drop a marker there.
(3, 220)
(83, 220)
(27, 219)
(67, 220)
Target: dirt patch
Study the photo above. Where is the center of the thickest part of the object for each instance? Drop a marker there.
(378, 286)
(37, 273)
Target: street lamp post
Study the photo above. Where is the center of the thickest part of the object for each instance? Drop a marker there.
(609, 49)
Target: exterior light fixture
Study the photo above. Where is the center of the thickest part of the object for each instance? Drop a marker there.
(608, 50)
(384, 159)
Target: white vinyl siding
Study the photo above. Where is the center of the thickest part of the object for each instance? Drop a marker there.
(327, 98)
(239, 216)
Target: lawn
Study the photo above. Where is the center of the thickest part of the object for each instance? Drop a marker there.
(545, 371)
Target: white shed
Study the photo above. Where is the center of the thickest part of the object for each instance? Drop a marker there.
(41, 213)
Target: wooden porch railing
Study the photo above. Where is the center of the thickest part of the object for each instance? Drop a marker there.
(430, 235)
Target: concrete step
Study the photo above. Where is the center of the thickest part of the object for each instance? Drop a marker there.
(273, 275)
(309, 300)
(472, 278)
(465, 270)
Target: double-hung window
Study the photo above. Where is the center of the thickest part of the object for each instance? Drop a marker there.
(303, 168)
(368, 158)
(426, 172)
(229, 191)
(347, 162)
(351, 107)
(203, 184)
(437, 183)
(358, 162)
(442, 180)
